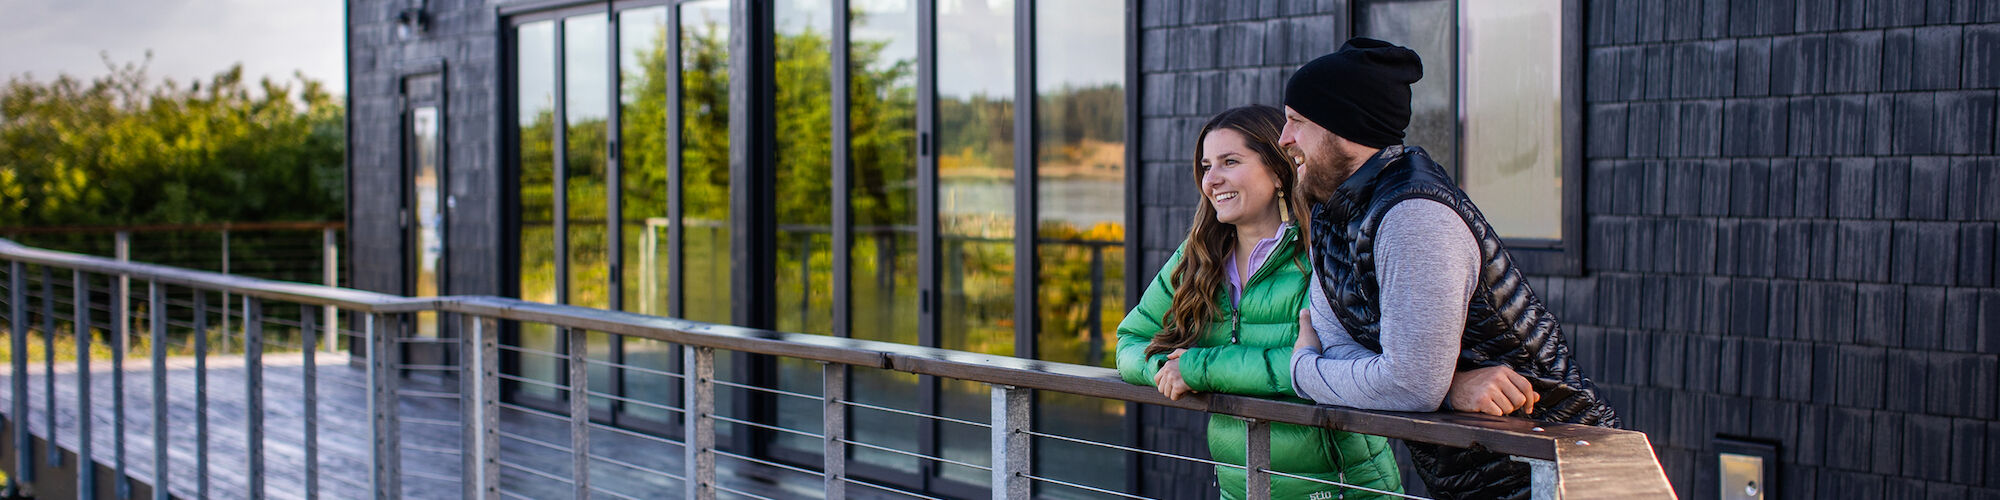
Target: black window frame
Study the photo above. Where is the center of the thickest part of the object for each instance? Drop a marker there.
(753, 217)
(1535, 256)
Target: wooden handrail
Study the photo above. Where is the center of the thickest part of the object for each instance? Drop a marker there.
(1593, 462)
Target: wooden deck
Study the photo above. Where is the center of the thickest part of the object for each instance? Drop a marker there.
(344, 437)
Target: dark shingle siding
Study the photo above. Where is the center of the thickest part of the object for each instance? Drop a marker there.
(1839, 155)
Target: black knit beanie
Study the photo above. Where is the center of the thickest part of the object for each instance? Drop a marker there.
(1360, 92)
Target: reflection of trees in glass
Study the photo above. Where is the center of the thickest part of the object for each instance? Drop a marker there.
(586, 111)
(1081, 130)
(1081, 133)
(882, 134)
(976, 187)
(642, 122)
(535, 102)
(805, 184)
(705, 160)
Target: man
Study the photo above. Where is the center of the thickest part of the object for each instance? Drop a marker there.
(1412, 289)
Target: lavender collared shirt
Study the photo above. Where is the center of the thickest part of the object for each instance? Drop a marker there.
(1258, 254)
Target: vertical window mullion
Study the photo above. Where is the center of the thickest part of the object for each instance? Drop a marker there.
(614, 183)
(1026, 250)
(560, 178)
(614, 215)
(676, 269)
(843, 176)
(927, 226)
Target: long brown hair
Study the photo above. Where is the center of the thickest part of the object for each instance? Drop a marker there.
(1200, 272)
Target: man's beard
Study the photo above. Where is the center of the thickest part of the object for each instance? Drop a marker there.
(1323, 173)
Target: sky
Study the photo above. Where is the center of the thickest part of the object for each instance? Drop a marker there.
(191, 40)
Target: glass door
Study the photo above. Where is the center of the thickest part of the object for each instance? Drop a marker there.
(424, 208)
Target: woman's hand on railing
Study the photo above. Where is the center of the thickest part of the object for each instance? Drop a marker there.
(1493, 390)
(1308, 338)
(1169, 380)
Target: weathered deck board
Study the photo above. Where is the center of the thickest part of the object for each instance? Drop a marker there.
(344, 437)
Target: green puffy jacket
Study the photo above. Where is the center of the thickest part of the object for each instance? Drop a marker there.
(1249, 352)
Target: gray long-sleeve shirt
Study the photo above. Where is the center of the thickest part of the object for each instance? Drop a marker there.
(1426, 264)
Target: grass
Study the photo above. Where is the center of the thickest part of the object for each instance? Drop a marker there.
(179, 343)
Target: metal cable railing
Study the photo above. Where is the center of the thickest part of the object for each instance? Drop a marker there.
(460, 387)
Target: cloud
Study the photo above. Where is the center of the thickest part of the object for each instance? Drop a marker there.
(190, 39)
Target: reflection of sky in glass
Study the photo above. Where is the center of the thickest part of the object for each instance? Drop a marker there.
(799, 16)
(886, 20)
(638, 31)
(535, 53)
(1079, 44)
(705, 13)
(1513, 114)
(584, 75)
(1080, 41)
(975, 48)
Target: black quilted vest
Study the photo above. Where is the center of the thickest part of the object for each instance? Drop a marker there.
(1505, 324)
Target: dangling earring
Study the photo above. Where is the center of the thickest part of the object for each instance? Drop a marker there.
(1284, 209)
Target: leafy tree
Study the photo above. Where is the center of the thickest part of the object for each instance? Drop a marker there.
(124, 149)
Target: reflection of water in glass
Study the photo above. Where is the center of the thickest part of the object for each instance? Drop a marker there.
(883, 288)
(1080, 191)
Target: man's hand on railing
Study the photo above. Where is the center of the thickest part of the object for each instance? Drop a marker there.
(1169, 381)
(1493, 390)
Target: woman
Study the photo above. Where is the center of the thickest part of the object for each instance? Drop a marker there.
(1223, 314)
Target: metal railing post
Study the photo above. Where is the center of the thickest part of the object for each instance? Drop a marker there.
(23, 477)
(481, 386)
(649, 287)
(253, 395)
(120, 340)
(156, 306)
(698, 396)
(330, 252)
(1543, 483)
(1257, 459)
(579, 411)
(225, 292)
(1011, 416)
(386, 458)
(310, 381)
(49, 364)
(833, 386)
(200, 393)
(86, 464)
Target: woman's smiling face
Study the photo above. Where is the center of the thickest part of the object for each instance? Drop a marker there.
(1235, 179)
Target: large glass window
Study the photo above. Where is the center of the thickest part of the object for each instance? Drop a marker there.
(1490, 105)
(586, 121)
(427, 189)
(804, 80)
(1080, 224)
(653, 82)
(1512, 66)
(975, 165)
(704, 158)
(535, 110)
(882, 131)
(586, 109)
(1425, 26)
(643, 128)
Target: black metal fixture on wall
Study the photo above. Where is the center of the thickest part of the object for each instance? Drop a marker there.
(412, 21)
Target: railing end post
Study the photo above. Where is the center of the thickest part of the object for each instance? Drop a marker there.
(1543, 481)
(1011, 452)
